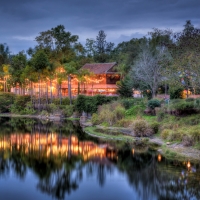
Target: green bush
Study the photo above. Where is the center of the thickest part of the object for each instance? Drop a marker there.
(160, 115)
(53, 108)
(135, 110)
(190, 100)
(44, 113)
(68, 110)
(154, 126)
(65, 101)
(165, 133)
(124, 123)
(29, 109)
(197, 104)
(176, 93)
(90, 104)
(153, 103)
(187, 140)
(20, 103)
(95, 119)
(141, 128)
(111, 113)
(175, 136)
(6, 100)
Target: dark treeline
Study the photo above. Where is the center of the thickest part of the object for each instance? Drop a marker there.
(162, 59)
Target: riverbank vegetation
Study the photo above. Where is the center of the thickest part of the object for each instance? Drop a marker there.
(177, 121)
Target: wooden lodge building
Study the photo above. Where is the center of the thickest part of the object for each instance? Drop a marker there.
(102, 80)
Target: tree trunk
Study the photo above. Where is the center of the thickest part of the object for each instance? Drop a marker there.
(60, 94)
(69, 89)
(51, 89)
(78, 87)
(39, 90)
(47, 93)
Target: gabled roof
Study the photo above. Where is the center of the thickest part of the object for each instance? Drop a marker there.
(100, 68)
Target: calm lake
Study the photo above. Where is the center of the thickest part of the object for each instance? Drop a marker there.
(42, 160)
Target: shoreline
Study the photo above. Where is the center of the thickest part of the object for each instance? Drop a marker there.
(172, 150)
(53, 117)
(168, 150)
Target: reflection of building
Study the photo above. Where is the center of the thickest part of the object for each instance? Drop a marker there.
(52, 144)
(102, 80)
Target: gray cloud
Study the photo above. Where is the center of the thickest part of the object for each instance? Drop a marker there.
(21, 21)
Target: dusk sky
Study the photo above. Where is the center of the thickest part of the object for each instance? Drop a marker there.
(22, 20)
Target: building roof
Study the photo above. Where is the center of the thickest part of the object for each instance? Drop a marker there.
(100, 68)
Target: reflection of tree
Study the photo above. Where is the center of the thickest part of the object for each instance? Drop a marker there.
(101, 176)
(63, 180)
(4, 165)
(61, 173)
(18, 164)
(156, 181)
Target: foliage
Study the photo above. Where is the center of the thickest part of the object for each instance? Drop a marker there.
(22, 105)
(6, 100)
(90, 104)
(176, 93)
(154, 126)
(109, 113)
(68, 110)
(135, 110)
(65, 101)
(18, 64)
(141, 128)
(160, 115)
(125, 87)
(124, 123)
(52, 108)
(95, 119)
(153, 103)
(181, 106)
(129, 102)
(165, 133)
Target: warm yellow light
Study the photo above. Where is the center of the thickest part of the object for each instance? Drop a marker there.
(133, 151)
(188, 164)
(159, 157)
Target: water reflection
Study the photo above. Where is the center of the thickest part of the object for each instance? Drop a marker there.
(66, 163)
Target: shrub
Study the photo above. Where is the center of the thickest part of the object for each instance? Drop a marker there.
(119, 112)
(135, 110)
(124, 123)
(197, 104)
(111, 113)
(154, 126)
(165, 133)
(44, 113)
(160, 115)
(20, 104)
(153, 103)
(195, 133)
(176, 93)
(53, 108)
(68, 110)
(175, 136)
(90, 104)
(190, 100)
(29, 109)
(141, 128)
(95, 119)
(65, 101)
(6, 100)
(187, 140)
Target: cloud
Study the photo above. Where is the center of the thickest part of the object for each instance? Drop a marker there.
(26, 38)
(22, 20)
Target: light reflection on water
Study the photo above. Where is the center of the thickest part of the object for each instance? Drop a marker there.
(40, 160)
